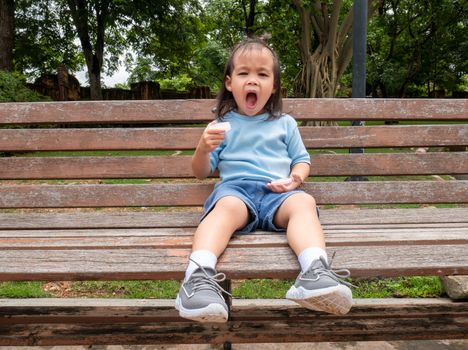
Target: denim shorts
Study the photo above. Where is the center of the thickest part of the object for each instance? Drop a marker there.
(261, 202)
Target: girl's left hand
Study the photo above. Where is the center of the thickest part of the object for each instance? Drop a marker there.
(280, 187)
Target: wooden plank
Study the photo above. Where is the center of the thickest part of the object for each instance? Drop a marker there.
(385, 136)
(99, 322)
(179, 167)
(182, 238)
(135, 310)
(164, 111)
(76, 196)
(237, 263)
(125, 219)
(187, 138)
(96, 167)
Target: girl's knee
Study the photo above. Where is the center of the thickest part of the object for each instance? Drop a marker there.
(303, 201)
(231, 204)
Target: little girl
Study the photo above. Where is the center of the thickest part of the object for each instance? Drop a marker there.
(262, 162)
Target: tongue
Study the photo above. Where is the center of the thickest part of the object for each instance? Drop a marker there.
(251, 100)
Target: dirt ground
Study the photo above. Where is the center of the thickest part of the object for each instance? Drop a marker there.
(376, 345)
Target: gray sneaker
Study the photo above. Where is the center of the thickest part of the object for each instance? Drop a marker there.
(322, 289)
(201, 299)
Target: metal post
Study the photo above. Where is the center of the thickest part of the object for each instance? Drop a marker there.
(359, 64)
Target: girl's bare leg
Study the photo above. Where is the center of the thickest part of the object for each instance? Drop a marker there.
(214, 232)
(298, 214)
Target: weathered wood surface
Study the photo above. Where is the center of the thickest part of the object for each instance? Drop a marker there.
(424, 217)
(157, 111)
(182, 238)
(187, 138)
(70, 322)
(179, 167)
(277, 262)
(76, 196)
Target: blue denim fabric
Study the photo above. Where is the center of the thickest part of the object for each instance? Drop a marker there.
(260, 201)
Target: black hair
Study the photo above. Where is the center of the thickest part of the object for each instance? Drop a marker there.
(225, 100)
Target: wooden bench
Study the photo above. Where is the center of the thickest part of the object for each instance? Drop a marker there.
(47, 233)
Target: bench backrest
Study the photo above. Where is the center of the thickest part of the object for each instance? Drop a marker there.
(30, 133)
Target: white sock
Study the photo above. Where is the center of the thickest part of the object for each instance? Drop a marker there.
(310, 254)
(203, 257)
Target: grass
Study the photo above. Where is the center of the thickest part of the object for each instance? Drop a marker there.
(127, 289)
(22, 290)
(402, 287)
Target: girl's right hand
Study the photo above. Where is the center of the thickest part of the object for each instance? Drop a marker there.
(210, 139)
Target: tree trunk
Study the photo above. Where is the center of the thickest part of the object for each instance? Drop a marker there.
(94, 58)
(325, 57)
(326, 48)
(7, 34)
(250, 17)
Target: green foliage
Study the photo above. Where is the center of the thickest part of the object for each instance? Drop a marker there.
(417, 48)
(13, 89)
(209, 62)
(180, 82)
(281, 15)
(123, 86)
(414, 47)
(44, 38)
(165, 38)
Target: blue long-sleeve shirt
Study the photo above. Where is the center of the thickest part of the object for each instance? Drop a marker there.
(258, 149)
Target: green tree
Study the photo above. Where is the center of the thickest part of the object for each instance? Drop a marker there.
(164, 38)
(44, 38)
(417, 48)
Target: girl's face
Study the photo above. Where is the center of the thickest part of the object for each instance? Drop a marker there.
(252, 80)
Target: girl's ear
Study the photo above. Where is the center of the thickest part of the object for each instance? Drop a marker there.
(228, 83)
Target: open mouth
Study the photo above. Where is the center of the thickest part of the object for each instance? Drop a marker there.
(251, 100)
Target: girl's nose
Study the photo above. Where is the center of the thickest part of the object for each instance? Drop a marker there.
(252, 81)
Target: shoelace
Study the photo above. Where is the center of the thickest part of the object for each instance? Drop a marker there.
(209, 282)
(337, 274)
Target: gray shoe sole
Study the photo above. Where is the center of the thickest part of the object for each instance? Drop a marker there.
(212, 313)
(336, 300)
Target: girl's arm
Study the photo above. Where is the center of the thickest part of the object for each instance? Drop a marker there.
(299, 173)
(210, 139)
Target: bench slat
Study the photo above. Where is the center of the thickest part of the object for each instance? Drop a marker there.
(74, 321)
(187, 138)
(122, 219)
(164, 111)
(75, 196)
(179, 167)
(237, 263)
(182, 238)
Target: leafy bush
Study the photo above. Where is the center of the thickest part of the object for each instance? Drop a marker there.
(13, 89)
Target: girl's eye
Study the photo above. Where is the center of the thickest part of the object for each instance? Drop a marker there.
(242, 73)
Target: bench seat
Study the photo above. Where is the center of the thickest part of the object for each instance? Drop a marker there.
(154, 245)
(99, 209)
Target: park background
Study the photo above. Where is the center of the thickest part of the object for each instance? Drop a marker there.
(177, 48)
